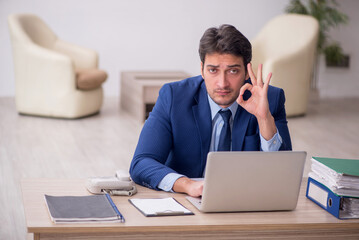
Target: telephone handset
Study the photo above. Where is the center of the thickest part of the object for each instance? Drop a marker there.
(120, 184)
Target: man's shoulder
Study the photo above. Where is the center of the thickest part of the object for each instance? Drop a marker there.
(275, 93)
(179, 97)
(192, 82)
(188, 86)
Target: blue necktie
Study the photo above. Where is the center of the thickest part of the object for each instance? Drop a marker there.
(225, 137)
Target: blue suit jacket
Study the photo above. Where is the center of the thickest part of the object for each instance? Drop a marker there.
(177, 135)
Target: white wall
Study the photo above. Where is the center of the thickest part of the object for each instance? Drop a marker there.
(156, 34)
(135, 34)
(343, 82)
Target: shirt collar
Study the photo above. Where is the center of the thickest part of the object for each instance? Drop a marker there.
(215, 108)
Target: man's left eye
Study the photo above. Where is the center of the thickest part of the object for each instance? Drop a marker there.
(233, 71)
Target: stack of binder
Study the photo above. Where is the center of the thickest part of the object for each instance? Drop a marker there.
(333, 184)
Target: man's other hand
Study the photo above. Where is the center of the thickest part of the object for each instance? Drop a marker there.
(191, 187)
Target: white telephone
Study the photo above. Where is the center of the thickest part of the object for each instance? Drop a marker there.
(120, 184)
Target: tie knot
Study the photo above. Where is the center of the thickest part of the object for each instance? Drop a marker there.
(226, 115)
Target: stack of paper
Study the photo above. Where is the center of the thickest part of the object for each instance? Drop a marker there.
(334, 185)
(351, 206)
(341, 176)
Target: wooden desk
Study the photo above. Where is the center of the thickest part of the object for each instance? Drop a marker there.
(308, 221)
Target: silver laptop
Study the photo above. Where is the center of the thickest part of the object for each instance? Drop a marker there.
(251, 181)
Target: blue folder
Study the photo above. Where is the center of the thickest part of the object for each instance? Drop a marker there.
(326, 199)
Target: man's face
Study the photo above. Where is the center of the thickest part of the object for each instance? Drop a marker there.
(224, 75)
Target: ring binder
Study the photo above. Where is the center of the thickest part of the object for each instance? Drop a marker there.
(329, 201)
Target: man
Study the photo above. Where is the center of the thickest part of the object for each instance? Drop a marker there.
(220, 110)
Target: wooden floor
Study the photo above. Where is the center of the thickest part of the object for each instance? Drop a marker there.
(33, 147)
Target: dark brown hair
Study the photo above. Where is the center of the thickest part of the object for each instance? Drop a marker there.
(225, 40)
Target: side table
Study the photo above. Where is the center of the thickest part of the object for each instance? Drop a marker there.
(139, 90)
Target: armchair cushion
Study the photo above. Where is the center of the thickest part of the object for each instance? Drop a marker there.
(88, 79)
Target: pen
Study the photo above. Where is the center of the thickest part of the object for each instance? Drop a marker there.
(121, 218)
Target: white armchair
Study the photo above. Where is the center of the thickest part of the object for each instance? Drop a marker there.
(53, 78)
(287, 47)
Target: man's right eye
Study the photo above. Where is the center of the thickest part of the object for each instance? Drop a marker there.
(212, 70)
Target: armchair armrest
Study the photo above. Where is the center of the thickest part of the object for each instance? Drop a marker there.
(82, 57)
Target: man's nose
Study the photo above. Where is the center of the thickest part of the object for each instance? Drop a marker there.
(222, 81)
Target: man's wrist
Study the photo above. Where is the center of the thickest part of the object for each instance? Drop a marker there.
(267, 127)
(181, 184)
(189, 186)
(168, 181)
(273, 144)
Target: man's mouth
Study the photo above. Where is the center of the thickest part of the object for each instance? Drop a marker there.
(222, 92)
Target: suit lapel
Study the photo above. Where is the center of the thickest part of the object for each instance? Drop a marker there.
(202, 116)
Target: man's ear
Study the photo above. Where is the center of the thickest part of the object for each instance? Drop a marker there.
(202, 69)
(247, 75)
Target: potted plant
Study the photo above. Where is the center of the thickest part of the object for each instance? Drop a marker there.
(328, 16)
(334, 56)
